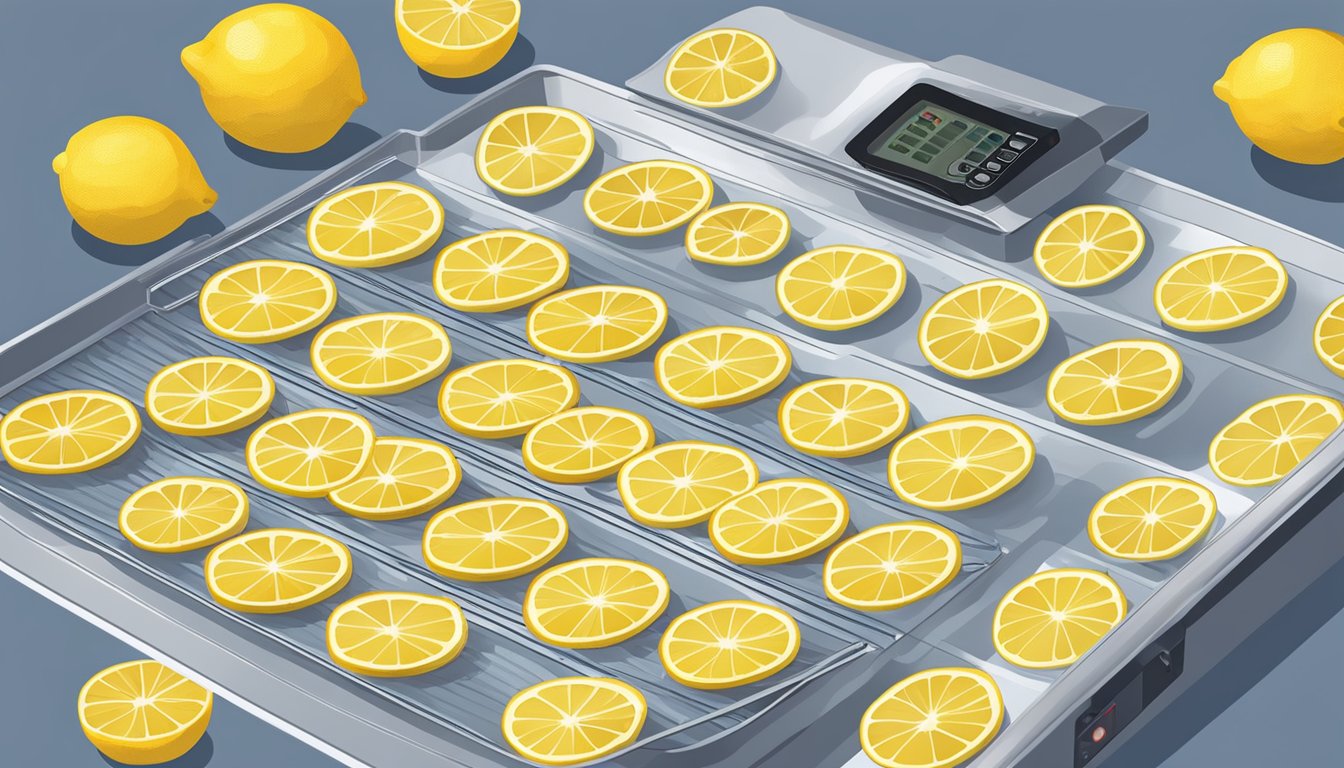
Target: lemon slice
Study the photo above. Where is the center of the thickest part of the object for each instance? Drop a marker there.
(208, 395)
(585, 444)
(505, 398)
(404, 477)
(779, 521)
(959, 462)
(720, 68)
(1272, 437)
(498, 270)
(457, 38)
(266, 300)
(937, 718)
(1220, 288)
(67, 432)
(494, 539)
(374, 225)
(647, 198)
(721, 365)
(395, 634)
(275, 570)
(310, 453)
(892, 565)
(840, 286)
(1052, 617)
(1089, 245)
(841, 418)
(678, 484)
(530, 150)
(179, 514)
(573, 720)
(738, 234)
(143, 713)
(1328, 336)
(597, 323)
(1151, 519)
(1114, 382)
(983, 329)
(380, 354)
(729, 643)
(595, 602)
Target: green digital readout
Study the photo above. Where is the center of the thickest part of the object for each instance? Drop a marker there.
(938, 141)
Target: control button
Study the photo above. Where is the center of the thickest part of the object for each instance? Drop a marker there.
(1005, 156)
(979, 180)
(961, 168)
(1021, 141)
(993, 166)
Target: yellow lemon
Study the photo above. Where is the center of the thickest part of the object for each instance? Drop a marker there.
(937, 718)
(498, 270)
(581, 445)
(721, 365)
(179, 514)
(1220, 288)
(729, 643)
(1052, 617)
(779, 521)
(255, 302)
(737, 234)
(505, 398)
(682, 483)
(1284, 94)
(310, 453)
(1114, 382)
(380, 354)
(1272, 437)
(67, 432)
(573, 720)
(983, 329)
(842, 418)
(494, 539)
(595, 602)
(395, 634)
(276, 570)
(457, 38)
(840, 286)
(374, 225)
(1089, 245)
(405, 476)
(143, 713)
(596, 323)
(647, 198)
(720, 68)
(130, 180)
(530, 150)
(960, 462)
(276, 77)
(208, 395)
(891, 565)
(1151, 519)
(1328, 336)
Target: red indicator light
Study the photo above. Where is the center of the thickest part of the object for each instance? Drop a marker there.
(1098, 734)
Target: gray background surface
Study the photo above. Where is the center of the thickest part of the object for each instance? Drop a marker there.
(69, 62)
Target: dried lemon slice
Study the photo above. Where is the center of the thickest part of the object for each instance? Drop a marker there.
(266, 300)
(404, 477)
(720, 68)
(531, 150)
(1272, 437)
(841, 418)
(960, 462)
(380, 354)
(937, 718)
(1220, 288)
(66, 432)
(737, 234)
(729, 643)
(983, 329)
(573, 720)
(208, 395)
(721, 365)
(840, 286)
(505, 398)
(498, 270)
(581, 445)
(891, 565)
(647, 198)
(595, 602)
(310, 453)
(1328, 336)
(1151, 519)
(779, 521)
(143, 713)
(179, 514)
(1052, 617)
(1114, 382)
(275, 570)
(1089, 245)
(678, 484)
(374, 225)
(395, 634)
(597, 323)
(494, 539)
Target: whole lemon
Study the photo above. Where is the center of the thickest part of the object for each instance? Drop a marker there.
(276, 77)
(130, 180)
(1286, 93)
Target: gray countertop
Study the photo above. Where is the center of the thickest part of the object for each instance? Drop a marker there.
(70, 63)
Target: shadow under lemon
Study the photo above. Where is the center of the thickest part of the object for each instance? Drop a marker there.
(519, 57)
(1317, 182)
(201, 225)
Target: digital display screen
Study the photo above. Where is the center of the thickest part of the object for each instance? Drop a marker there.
(938, 141)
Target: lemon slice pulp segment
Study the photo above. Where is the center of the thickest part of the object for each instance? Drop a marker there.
(960, 462)
(595, 602)
(721, 365)
(573, 720)
(1151, 519)
(395, 634)
(647, 198)
(841, 418)
(682, 483)
(494, 539)
(498, 270)
(531, 150)
(276, 570)
(266, 300)
(505, 398)
(310, 453)
(208, 395)
(143, 713)
(1328, 336)
(178, 514)
(937, 718)
(840, 286)
(596, 323)
(779, 521)
(720, 68)
(66, 432)
(983, 329)
(892, 565)
(729, 643)
(1272, 437)
(737, 234)
(1115, 382)
(380, 354)
(581, 445)
(404, 477)
(1088, 246)
(1220, 288)
(374, 225)
(1051, 618)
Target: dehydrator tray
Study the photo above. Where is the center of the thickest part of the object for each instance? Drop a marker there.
(59, 534)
